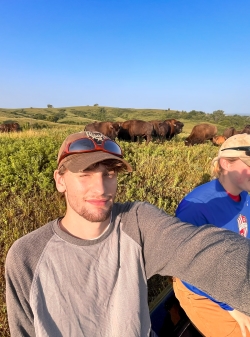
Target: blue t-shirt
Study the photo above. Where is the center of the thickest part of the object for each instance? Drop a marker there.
(210, 204)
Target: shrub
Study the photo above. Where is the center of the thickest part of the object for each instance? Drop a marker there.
(39, 116)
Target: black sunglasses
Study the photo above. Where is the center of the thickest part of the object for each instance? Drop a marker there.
(238, 148)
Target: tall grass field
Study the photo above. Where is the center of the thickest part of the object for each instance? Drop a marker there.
(163, 173)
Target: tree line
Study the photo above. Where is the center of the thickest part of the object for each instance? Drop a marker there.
(97, 113)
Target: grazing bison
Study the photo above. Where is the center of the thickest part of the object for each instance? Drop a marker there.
(132, 129)
(10, 127)
(200, 133)
(175, 128)
(218, 140)
(109, 129)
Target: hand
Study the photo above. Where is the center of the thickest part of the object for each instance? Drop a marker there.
(242, 319)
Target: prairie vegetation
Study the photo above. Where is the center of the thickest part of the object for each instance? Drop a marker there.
(163, 174)
(39, 118)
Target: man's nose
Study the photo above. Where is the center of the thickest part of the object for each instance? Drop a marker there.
(99, 183)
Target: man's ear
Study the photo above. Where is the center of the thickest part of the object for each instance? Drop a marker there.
(225, 164)
(60, 183)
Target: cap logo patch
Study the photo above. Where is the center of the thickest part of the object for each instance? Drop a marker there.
(96, 136)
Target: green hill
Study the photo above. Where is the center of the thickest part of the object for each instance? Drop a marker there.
(38, 118)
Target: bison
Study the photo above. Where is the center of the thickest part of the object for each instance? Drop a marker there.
(175, 128)
(200, 133)
(246, 129)
(4, 128)
(155, 124)
(229, 132)
(132, 129)
(10, 127)
(218, 140)
(161, 129)
(109, 129)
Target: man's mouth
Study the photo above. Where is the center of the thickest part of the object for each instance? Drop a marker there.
(98, 202)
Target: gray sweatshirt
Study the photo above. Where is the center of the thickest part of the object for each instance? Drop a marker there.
(60, 286)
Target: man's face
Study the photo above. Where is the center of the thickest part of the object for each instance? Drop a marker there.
(239, 175)
(90, 193)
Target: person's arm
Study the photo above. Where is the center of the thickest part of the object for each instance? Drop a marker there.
(197, 213)
(201, 256)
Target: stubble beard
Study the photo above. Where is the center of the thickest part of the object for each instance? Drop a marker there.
(96, 217)
(99, 215)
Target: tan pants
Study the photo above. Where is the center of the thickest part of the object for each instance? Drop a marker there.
(207, 316)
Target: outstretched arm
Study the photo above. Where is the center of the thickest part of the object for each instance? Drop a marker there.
(201, 256)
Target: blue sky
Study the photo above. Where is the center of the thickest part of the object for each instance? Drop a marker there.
(177, 54)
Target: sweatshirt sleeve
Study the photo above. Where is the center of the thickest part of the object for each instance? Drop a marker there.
(193, 213)
(20, 267)
(201, 256)
(18, 285)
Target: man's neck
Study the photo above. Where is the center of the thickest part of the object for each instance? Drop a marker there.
(229, 186)
(83, 229)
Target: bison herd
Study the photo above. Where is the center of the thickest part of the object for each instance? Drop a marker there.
(135, 129)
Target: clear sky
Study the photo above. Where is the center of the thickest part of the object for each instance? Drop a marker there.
(177, 54)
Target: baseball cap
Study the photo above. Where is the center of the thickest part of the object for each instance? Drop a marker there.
(237, 146)
(83, 149)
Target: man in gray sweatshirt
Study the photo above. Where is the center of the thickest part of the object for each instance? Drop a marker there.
(85, 274)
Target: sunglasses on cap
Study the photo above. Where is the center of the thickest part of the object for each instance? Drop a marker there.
(238, 148)
(85, 145)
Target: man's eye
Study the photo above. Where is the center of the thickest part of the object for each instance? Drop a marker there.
(111, 174)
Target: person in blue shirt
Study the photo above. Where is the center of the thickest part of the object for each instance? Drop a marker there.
(223, 202)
